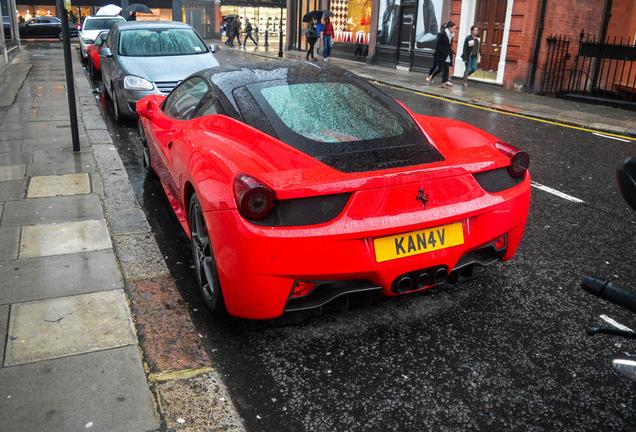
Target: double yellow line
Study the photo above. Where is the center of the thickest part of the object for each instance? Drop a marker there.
(499, 111)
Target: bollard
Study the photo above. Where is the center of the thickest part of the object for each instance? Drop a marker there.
(266, 38)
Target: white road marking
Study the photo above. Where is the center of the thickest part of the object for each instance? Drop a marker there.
(618, 325)
(557, 193)
(610, 137)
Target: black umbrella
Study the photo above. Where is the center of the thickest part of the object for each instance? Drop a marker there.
(229, 17)
(313, 15)
(133, 8)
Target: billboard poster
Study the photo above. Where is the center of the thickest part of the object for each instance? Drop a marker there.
(388, 19)
(428, 23)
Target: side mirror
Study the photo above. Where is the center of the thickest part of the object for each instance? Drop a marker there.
(105, 52)
(626, 176)
(214, 48)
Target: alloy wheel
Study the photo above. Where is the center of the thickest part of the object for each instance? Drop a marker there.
(204, 265)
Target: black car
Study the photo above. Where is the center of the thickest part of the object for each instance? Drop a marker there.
(45, 26)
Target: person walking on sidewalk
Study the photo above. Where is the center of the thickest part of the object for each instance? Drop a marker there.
(248, 32)
(319, 28)
(312, 36)
(443, 54)
(470, 53)
(327, 39)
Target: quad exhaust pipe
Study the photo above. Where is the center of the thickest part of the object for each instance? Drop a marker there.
(420, 279)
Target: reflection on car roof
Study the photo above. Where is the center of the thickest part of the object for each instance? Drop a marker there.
(229, 77)
(130, 25)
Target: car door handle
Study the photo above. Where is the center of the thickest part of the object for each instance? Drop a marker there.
(170, 144)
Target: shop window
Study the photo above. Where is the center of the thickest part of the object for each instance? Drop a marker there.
(351, 20)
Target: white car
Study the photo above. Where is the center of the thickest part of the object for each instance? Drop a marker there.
(92, 26)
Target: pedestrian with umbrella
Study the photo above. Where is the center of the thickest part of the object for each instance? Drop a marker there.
(311, 34)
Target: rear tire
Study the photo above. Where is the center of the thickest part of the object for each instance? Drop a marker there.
(205, 270)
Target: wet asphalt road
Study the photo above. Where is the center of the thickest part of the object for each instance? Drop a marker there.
(504, 351)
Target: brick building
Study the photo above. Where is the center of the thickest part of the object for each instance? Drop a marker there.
(514, 32)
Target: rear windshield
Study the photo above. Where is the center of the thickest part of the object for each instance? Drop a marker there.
(331, 112)
(347, 124)
(160, 42)
(100, 23)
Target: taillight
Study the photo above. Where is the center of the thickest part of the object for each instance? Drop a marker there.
(519, 159)
(254, 199)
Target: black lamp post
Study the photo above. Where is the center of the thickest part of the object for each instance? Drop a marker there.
(68, 68)
(280, 32)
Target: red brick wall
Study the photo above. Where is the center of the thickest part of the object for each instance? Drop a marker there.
(562, 17)
(623, 20)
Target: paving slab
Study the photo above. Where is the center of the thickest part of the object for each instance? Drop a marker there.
(34, 211)
(11, 190)
(58, 276)
(103, 391)
(64, 238)
(15, 156)
(64, 326)
(16, 134)
(198, 404)
(4, 325)
(12, 172)
(10, 146)
(58, 168)
(57, 185)
(63, 155)
(9, 244)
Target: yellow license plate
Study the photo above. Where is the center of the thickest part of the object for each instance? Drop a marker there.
(418, 242)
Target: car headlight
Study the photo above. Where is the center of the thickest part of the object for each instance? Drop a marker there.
(132, 82)
(88, 41)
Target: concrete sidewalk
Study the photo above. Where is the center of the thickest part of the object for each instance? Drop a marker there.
(601, 118)
(70, 355)
(94, 334)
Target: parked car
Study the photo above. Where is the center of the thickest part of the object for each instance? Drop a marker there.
(91, 27)
(45, 27)
(142, 58)
(94, 67)
(289, 207)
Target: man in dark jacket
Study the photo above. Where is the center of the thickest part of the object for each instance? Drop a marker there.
(248, 32)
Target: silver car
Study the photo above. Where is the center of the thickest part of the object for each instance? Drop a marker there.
(142, 58)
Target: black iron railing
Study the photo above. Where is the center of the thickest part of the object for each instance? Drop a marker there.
(605, 71)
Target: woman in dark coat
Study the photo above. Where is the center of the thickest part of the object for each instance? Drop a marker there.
(443, 54)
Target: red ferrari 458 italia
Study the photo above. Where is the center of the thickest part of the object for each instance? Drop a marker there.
(298, 184)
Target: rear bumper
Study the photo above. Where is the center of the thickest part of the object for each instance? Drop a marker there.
(258, 265)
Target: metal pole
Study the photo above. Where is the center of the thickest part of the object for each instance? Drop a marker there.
(280, 33)
(68, 67)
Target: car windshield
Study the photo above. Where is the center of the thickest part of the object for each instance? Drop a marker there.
(160, 42)
(100, 23)
(345, 112)
(345, 123)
